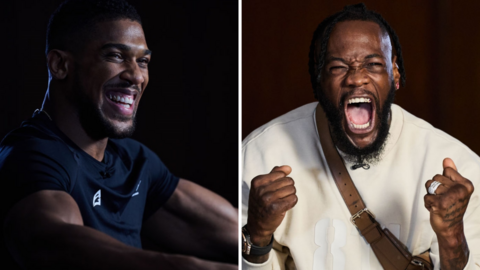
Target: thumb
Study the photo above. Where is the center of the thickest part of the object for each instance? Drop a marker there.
(448, 162)
(285, 169)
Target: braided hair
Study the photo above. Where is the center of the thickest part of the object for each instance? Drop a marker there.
(358, 12)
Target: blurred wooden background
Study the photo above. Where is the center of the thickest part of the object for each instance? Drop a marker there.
(440, 40)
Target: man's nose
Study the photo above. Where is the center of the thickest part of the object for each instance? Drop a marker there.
(356, 76)
(133, 74)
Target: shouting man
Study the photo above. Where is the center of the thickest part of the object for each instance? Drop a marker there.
(306, 215)
(81, 196)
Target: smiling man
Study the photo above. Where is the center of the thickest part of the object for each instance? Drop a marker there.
(81, 195)
(307, 214)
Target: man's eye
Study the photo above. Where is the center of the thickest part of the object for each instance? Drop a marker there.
(375, 67)
(143, 62)
(116, 56)
(338, 69)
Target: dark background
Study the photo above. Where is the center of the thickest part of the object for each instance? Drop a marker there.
(189, 112)
(440, 41)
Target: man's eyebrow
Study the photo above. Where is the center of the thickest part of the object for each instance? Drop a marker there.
(119, 46)
(373, 55)
(331, 58)
(123, 47)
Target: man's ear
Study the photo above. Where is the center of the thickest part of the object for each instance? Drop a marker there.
(396, 73)
(58, 63)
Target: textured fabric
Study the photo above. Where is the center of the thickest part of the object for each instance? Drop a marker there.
(317, 233)
(114, 196)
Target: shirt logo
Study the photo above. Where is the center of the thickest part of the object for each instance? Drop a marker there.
(136, 190)
(97, 198)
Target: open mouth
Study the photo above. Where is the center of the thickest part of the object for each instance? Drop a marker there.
(122, 101)
(359, 112)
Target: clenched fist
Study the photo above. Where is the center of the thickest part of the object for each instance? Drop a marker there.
(447, 209)
(271, 196)
(448, 206)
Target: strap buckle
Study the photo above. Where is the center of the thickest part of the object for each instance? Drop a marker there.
(417, 263)
(358, 214)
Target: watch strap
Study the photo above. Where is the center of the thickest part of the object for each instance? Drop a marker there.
(251, 249)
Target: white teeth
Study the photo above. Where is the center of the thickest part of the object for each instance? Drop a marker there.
(359, 100)
(364, 126)
(127, 100)
(126, 106)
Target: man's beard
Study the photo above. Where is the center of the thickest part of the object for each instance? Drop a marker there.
(92, 119)
(370, 154)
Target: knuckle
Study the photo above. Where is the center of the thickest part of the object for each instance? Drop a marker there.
(469, 186)
(294, 200)
(260, 190)
(266, 199)
(464, 192)
(428, 183)
(289, 181)
(256, 181)
(272, 209)
(437, 177)
(444, 204)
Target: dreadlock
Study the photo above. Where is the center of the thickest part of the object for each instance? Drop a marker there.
(358, 12)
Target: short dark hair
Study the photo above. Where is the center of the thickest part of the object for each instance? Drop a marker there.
(73, 17)
(349, 13)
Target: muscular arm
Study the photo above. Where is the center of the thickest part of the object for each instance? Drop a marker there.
(195, 221)
(46, 229)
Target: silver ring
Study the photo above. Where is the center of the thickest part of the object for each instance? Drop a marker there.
(433, 187)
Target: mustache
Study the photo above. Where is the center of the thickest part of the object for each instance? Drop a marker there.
(357, 91)
(123, 85)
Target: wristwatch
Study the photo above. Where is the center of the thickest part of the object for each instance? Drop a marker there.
(250, 249)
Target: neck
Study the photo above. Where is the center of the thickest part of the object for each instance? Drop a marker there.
(65, 116)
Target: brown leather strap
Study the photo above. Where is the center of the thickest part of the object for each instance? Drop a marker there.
(391, 253)
(340, 174)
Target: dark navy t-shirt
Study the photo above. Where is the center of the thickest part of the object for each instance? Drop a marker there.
(114, 196)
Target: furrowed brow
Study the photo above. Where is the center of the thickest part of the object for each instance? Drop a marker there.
(331, 58)
(374, 55)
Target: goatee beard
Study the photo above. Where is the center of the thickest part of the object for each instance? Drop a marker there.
(370, 154)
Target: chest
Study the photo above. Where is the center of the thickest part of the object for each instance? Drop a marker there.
(111, 197)
(318, 230)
